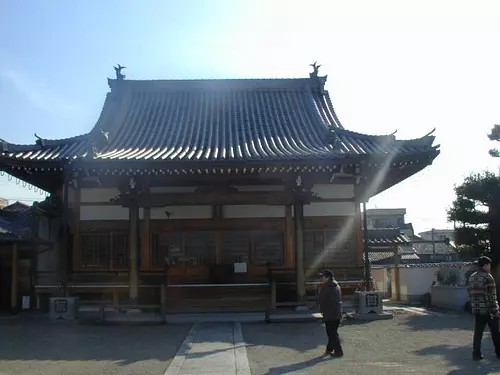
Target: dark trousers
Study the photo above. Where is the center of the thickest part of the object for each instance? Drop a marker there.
(332, 331)
(480, 324)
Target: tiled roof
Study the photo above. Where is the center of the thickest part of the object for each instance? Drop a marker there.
(387, 257)
(386, 237)
(219, 120)
(427, 248)
(14, 228)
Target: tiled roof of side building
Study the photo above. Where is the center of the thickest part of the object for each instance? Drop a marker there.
(386, 237)
(218, 120)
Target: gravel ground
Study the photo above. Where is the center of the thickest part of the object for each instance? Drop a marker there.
(407, 344)
(30, 348)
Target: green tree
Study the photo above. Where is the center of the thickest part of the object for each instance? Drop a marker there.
(495, 136)
(477, 212)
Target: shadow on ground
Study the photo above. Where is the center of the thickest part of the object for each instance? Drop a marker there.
(44, 341)
(462, 357)
(419, 322)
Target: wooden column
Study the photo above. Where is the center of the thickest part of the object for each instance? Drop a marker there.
(65, 225)
(134, 247)
(359, 234)
(397, 294)
(299, 250)
(368, 273)
(146, 239)
(77, 254)
(289, 253)
(14, 281)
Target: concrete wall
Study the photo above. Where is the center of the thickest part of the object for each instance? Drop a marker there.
(381, 280)
(415, 282)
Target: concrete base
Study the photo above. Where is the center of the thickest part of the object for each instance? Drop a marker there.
(252, 317)
(384, 316)
(284, 317)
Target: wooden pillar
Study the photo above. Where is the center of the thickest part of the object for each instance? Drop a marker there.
(368, 273)
(359, 234)
(14, 281)
(134, 247)
(77, 254)
(299, 250)
(65, 248)
(397, 294)
(289, 251)
(146, 239)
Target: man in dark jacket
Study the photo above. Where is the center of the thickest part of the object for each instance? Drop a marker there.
(330, 303)
(484, 304)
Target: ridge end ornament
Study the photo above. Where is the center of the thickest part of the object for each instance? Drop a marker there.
(118, 70)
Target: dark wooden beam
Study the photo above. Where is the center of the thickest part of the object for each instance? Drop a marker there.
(282, 198)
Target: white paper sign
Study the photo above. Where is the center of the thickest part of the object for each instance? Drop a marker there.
(240, 268)
(26, 303)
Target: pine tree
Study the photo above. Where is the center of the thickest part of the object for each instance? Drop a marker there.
(495, 136)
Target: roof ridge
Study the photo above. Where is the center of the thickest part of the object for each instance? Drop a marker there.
(246, 84)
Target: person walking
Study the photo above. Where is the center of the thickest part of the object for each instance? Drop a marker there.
(330, 303)
(484, 305)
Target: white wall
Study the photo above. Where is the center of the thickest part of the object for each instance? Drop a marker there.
(106, 213)
(330, 209)
(334, 191)
(181, 212)
(380, 278)
(97, 195)
(252, 211)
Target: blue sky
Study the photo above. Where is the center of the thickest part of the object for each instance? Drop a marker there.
(405, 65)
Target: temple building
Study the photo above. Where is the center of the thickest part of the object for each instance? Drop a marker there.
(228, 182)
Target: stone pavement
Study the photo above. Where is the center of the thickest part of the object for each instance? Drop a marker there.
(414, 342)
(210, 349)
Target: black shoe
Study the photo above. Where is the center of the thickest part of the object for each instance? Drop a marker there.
(338, 354)
(478, 357)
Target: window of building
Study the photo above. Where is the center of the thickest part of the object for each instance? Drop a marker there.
(199, 248)
(268, 248)
(382, 223)
(167, 245)
(235, 247)
(326, 247)
(105, 250)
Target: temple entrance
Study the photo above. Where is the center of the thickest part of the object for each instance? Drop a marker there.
(218, 270)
